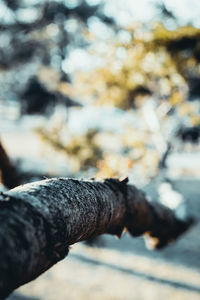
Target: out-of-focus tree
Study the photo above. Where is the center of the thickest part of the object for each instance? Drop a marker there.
(152, 74)
(36, 37)
(149, 72)
(81, 150)
(153, 61)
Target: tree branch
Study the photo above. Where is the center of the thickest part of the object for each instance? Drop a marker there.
(39, 221)
(8, 171)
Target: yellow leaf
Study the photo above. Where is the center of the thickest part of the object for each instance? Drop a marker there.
(176, 98)
(195, 120)
(184, 109)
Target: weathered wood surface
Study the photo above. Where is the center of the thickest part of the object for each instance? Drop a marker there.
(39, 221)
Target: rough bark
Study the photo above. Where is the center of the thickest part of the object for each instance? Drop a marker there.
(8, 172)
(39, 221)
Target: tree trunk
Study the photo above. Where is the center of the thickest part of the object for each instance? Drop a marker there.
(39, 221)
(8, 172)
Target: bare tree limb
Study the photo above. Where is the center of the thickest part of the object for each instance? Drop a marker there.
(39, 221)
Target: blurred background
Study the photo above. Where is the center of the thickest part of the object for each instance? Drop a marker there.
(93, 88)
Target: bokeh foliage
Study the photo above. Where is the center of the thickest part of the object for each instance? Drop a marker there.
(35, 39)
(151, 73)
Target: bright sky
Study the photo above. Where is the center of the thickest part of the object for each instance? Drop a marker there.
(125, 11)
(144, 10)
(129, 10)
